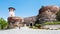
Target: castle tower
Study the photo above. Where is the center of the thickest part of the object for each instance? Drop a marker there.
(11, 12)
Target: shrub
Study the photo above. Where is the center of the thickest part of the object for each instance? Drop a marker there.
(52, 23)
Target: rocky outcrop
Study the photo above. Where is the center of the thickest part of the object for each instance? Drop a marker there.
(14, 22)
(48, 13)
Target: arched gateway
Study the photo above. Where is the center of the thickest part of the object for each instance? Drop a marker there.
(13, 20)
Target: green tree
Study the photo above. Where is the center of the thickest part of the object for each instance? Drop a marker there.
(3, 24)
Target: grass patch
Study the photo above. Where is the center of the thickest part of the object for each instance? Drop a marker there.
(52, 23)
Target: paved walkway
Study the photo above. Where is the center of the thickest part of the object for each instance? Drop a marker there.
(29, 31)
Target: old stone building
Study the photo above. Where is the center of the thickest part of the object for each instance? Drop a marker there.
(46, 13)
(30, 20)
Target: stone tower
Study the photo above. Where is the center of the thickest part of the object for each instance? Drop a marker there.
(11, 12)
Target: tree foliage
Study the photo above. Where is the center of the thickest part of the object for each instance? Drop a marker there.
(3, 23)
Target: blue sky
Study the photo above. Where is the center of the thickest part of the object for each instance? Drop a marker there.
(24, 8)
